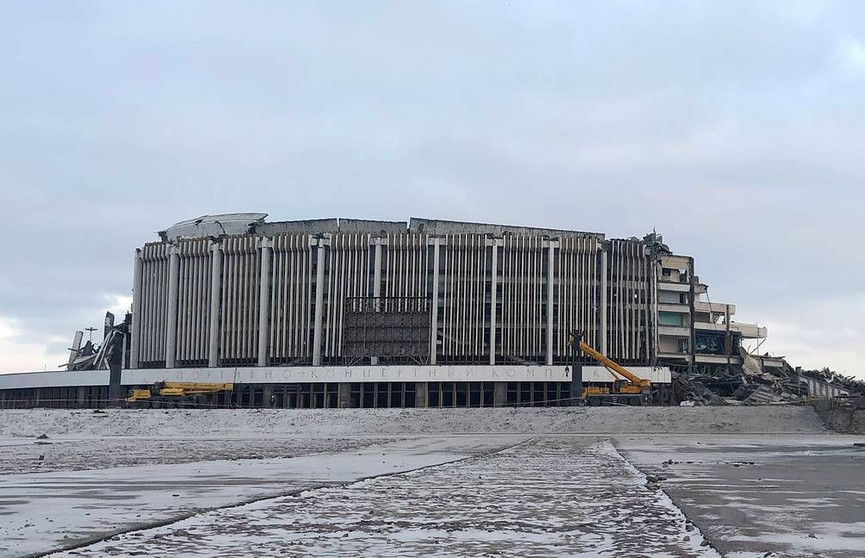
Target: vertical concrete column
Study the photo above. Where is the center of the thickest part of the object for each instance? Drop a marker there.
(500, 395)
(604, 301)
(653, 318)
(267, 396)
(264, 303)
(550, 263)
(434, 339)
(319, 304)
(344, 395)
(171, 335)
(493, 298)
(376, 277)
(421, 394)
(81, 396)
(728, 339)
(136, 310)
(376, 284)
(692, 340)
(215, 287)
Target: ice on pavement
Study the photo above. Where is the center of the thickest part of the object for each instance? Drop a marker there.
(53, 510)
(551, 497)
(441, 486)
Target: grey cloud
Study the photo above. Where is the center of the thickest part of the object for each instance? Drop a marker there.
(734, 128)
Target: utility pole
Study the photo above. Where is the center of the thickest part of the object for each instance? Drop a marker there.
(90, 330)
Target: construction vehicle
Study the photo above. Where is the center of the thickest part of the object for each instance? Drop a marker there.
(176, 394)
(627, 387)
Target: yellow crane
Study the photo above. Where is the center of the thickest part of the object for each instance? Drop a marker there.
(173, 393)
(632, 389)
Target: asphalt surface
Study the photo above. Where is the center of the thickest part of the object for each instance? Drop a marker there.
(794, 495)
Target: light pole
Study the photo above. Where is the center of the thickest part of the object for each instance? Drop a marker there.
(90, 330)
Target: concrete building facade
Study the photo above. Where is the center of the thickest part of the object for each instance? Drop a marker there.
(276, 294)
(345, 312)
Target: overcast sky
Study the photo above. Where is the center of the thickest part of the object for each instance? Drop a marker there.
(736, 129)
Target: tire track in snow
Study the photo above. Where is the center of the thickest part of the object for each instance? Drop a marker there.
(83, 544)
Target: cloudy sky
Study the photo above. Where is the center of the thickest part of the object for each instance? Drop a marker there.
(734, 128)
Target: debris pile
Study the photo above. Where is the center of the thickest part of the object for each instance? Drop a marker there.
(696, 391)
(849, 383)
(750, 384)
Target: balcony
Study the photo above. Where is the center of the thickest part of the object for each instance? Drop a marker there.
(705, 326)
(713, 307)
(716, 359)
(674, 331)
(748, 331)
(677, 308)
(674, 287)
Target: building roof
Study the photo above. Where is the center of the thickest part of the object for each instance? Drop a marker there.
(227, 224)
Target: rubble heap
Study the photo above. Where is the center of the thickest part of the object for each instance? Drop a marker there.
(851, 384)
(751, 384)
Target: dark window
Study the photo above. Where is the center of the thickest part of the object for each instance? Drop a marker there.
(461, 394)
(447, 394)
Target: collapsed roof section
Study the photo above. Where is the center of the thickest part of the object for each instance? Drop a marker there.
(334, 225)
(438, 227)
(228, 224)
(224, 224)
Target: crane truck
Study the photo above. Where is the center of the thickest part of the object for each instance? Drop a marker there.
(627, 387)
(173, 394)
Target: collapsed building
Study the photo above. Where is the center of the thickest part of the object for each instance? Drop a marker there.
(361, 313)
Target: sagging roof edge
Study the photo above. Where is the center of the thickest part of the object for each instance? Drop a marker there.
(231, 224)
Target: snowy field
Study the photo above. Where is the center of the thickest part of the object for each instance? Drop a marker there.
(542, 498)
(428, 482)
(267, 423)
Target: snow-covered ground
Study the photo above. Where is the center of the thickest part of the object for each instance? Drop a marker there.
(549, 497)
(270, 423)
(51, 510)
(23, 455)
(85, 439)
(447, 482)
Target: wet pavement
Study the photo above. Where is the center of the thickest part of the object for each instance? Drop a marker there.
(801, 495)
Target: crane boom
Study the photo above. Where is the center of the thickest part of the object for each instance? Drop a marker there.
(612, 365)
(633, 390)
(173, 392)
(194, 388)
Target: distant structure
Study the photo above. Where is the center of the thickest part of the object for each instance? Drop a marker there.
(359, 313)
(236, 290)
